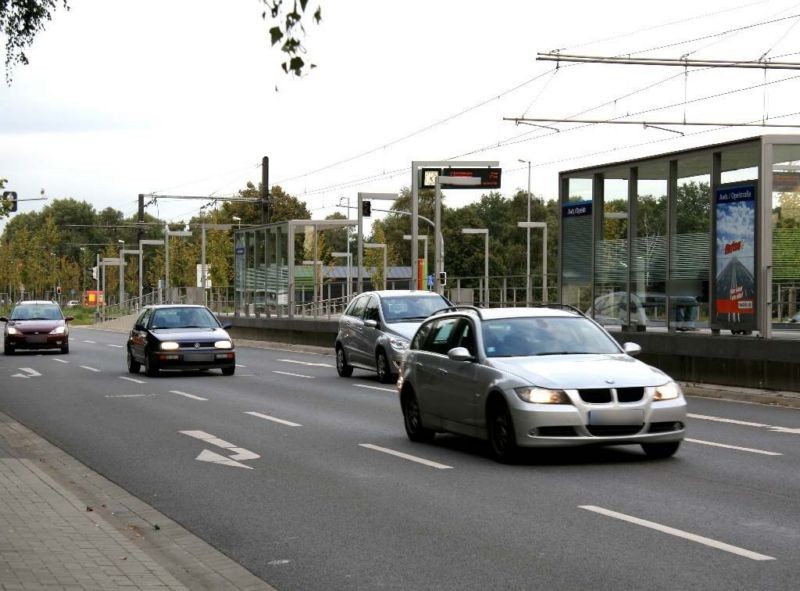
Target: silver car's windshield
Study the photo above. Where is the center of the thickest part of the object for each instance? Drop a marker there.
(410, 308)
(522, 337)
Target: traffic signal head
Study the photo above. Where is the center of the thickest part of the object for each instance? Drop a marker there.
(443, 277)
(366, 208)
(11, 196)
(58, 290)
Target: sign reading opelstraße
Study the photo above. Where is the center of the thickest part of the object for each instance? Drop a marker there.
(489, 177)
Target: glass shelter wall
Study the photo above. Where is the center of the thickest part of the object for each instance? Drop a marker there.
(649, 244)
(785, 167)
(610, 304)
(576, 232)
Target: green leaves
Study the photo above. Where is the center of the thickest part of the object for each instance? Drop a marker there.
(275, 34)
(288, 30)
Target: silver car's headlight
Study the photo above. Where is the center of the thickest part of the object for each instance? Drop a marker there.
(668, 391)
(398, 344)
(223, 345)
(12, 330)
(169, 346)
(542, 395)
(59, 330)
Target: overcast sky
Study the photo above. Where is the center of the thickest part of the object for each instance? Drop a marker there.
(185, 97)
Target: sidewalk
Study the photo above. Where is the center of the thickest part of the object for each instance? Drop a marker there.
(63, 526)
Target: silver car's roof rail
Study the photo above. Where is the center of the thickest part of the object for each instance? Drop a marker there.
(566, 307)
(460, 307)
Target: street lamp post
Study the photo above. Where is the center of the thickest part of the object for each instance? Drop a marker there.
(485, 232)
(167, 234)
(528, 299)
(141, 256)
(383, 246)
(423, 237)
(121, 273)
(543, 226)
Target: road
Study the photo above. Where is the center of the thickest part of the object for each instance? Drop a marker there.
(309, 481)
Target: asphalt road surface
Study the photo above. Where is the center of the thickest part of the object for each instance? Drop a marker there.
(309, 481)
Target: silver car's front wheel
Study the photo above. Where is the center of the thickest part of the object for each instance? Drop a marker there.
(383, 368)
(344, 369)
(500, 427)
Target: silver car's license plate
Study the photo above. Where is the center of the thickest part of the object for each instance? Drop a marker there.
(616, 416)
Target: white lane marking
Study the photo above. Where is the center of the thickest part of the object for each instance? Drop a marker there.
(116, 346)
(400, 454)
(90, 342)
(209, 456)
(240, 365)
(736, 447)
(129, 395)
(271, 418)
(773, 428)
(306, 363)
(192, 396)
(60, 360)
(90, 368)
(134, 380)
(296, 375)
(376, 388)
(678, 532)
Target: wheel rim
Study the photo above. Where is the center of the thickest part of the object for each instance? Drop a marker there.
(500, 431)
(412, 414)
(383, 369)
(340, 359)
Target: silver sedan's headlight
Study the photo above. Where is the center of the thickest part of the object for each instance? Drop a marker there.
(668, 391)
(542, 395)
(398, 344)
(223, 345)
(169, 346)
(59, 330)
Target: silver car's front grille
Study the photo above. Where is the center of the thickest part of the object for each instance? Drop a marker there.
(595, 395)
(630, 394)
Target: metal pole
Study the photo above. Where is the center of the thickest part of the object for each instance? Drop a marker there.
(203, 282)
(360, 246)
(438, 264)
(166, 263)
(385, 269)
(141, 290)
(121, 276)
(528, 290)
(486, 268)
(544, 264)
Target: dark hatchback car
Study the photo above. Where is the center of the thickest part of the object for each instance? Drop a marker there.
(179, 337)
(36, 325)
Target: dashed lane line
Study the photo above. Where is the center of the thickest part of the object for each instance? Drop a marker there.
(273, 419)
(115, 346)
(678, 533)
(90, 342)
(296, 375)
(134, 380)
(405, 456)
(736, 447)
(309, 363)
(90, 368)
(187, 395)
(773, 428)
(393, 390)
(60, 360)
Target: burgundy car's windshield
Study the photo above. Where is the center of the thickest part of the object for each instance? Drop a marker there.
(36, 312)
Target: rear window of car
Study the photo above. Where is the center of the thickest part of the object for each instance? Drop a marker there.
(37, 312)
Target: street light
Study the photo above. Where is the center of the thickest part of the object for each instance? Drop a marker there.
(121, 274)
(383, 246)
(236, 218)
(485, 232)
(528, 232)
(425, 247)
(543, 226)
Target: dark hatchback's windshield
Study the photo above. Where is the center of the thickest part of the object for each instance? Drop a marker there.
(183, 318)
(36, 312)
(522, 337)
(411, 308)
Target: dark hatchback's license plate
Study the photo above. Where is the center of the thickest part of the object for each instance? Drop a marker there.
(198, 357)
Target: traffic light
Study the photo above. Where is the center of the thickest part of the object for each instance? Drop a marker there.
(58, 290)
(443, 277)
(94, 272)
(12, 197)
(366, 208)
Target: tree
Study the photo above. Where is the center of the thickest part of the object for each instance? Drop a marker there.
(22, 20)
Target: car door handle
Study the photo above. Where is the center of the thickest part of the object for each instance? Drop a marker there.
(442, 370)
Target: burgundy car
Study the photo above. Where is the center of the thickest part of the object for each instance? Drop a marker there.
(36, 325)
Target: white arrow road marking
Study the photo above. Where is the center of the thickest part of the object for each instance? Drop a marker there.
(306, 363)
(29, 373)
(90, 368)
(400, 454)
(296, 375)
(209, 456)
(736, 447)
(677, 532)
(134, 380)
(271, 418)
(192, 396)
(376, 388)
(773, 428)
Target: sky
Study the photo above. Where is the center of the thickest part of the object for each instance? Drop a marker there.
(185, 97)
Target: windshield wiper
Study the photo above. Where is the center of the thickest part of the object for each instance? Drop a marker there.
(566, 353)
(407, 318)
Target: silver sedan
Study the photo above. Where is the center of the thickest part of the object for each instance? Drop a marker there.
(535, 377)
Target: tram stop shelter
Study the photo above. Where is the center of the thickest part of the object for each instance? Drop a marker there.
(706, 239)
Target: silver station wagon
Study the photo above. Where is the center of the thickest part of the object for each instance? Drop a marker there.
(535, 377)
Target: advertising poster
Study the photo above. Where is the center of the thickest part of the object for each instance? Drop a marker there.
(734, 272)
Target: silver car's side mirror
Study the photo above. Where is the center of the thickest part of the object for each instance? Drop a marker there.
(460, 354)
(371, 323)
(632, 349)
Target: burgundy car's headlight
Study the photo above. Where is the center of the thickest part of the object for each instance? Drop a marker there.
(59, 330)
(12, 330)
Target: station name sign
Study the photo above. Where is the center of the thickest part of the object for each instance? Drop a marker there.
(573, 210)
(489, 177)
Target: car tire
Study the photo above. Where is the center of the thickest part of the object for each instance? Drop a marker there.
(8, 350)
(344, 369)
(228, 371)
(150, 368)
(133, 365)
(65, 348)
(500, 429)
(412, 419)
(661, 450)
(385, 375)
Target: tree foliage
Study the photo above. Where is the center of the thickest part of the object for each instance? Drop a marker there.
(22, 20)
